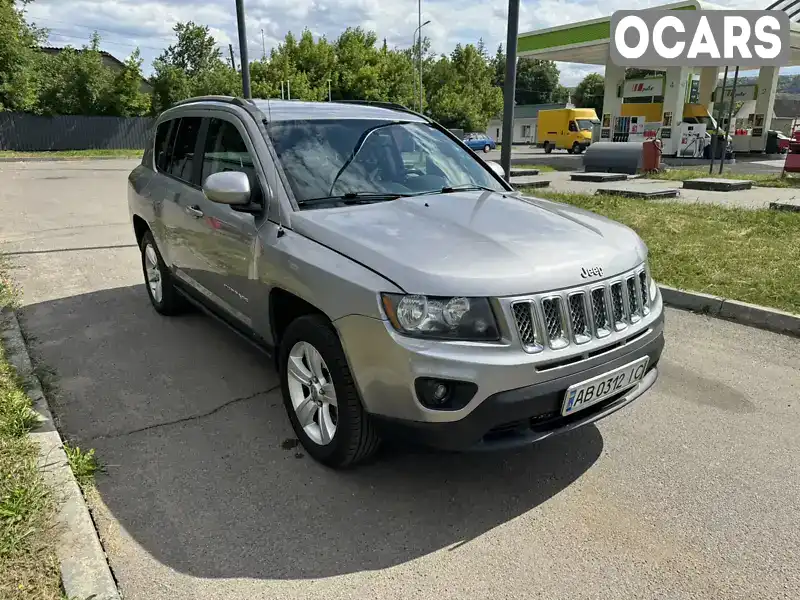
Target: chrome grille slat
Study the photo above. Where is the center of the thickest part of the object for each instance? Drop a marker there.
(644, 292)
(600, 312)
(526, 326)
(579, 315)
(617, 305)
(634, 312)
(579, 319)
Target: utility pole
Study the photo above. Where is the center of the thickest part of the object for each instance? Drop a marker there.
(329, 90)
(233, 62)
(263, 47)
(282, 89)
(419, 50)
(243, 48)
(288, 90)
(510, 87)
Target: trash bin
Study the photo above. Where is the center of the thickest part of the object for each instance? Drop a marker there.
(651, 155)
(772, 143)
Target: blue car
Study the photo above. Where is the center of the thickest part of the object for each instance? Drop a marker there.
(480, 141)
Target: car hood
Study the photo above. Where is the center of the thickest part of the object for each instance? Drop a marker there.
(475, 243)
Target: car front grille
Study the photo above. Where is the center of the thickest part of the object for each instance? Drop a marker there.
(576, 316)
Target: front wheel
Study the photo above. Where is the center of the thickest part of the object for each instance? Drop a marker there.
(486, 148)
(320, 396)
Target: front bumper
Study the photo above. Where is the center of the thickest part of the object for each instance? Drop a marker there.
(516, 391)
(525, 415)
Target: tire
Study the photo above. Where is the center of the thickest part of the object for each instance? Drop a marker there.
(571, 150)
(169, 302)
(354, 439)
(486, 149)
(547, 148)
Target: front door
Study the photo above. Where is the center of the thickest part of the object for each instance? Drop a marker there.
(226, 248)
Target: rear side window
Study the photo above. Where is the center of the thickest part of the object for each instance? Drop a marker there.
(162, 145)
(181, 160)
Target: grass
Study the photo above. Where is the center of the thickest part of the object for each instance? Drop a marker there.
(758, 179)
(28, 565)
(84, 464)
(747, 255)
(542, 168)
(74, 154)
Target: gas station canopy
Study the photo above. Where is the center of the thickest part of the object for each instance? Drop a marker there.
(588, 42)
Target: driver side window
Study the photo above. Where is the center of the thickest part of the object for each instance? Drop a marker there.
(573, 126)
(225, 150)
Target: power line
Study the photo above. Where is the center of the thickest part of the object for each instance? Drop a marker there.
(120, 33)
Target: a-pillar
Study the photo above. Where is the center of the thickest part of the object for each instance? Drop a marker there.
(767, 83)
(708, 83)
(674, 99)
(612, 101)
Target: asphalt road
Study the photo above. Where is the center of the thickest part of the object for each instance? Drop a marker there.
(692, 492)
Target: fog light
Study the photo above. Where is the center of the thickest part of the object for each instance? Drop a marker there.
(441, 394)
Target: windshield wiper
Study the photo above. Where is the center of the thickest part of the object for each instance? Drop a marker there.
(449, 189)
(354, 198)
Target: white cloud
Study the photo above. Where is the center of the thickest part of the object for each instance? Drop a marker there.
(125, 24)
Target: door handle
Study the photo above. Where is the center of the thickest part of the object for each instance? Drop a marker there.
(194, 211)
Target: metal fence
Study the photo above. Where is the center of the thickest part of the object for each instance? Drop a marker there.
(22, 132)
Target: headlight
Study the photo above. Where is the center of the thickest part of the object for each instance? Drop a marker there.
(653, 289)
(459, 318)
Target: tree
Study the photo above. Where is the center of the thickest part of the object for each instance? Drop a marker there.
(537, 81)
(18, 59)
(195, 50)
(589, 93)
(126, 98)
(460, 90)
(75, 82)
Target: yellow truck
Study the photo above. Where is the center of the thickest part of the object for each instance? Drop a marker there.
(567, 128)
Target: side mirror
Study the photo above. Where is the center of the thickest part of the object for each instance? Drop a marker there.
(497, 168)
(228, 187)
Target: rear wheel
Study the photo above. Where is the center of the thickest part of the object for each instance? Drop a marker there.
(547, 148)
(160, 285)
(320, 396)
(486, 148)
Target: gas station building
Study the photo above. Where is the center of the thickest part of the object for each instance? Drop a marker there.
(588, 43)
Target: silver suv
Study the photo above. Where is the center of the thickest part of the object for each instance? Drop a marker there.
(404, 289)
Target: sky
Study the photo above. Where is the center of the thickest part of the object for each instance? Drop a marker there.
(125, 24)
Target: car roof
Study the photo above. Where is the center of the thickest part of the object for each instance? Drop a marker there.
(300, 110)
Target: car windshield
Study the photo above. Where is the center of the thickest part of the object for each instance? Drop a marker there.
(586, 124)
(372, 159)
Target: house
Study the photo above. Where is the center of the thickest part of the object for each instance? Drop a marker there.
(109, 60)
(525, 120)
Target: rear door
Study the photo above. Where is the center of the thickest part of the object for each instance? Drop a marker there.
(182, 189)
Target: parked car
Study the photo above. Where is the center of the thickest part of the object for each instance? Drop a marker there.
(480, 141)
(402, 287)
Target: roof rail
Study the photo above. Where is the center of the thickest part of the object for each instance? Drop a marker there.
(382, 104)
(228, 99)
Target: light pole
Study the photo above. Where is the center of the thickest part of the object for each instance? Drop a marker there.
(419, 52)
(510, 87)
(243, 48)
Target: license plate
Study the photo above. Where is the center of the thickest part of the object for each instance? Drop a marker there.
(585, 394)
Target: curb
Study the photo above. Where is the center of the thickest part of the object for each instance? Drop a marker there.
(84, 569)
(760, 317)
(65, 158)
